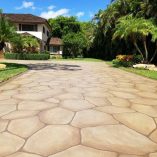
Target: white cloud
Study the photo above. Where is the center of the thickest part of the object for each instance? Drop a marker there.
(91, 15)
(51, 7)
(54, 14)
(80, 14)
(26, 5)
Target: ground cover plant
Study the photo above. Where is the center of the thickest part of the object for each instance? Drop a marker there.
(11, 70)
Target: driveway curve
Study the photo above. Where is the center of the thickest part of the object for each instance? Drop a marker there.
(78, 109)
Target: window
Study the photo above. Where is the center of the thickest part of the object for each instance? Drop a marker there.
(44, 30)
(56, 49)
(48, 33)
(26, 27)
(20, 27)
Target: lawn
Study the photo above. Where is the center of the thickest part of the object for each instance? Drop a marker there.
(142, 72)
(11, 71)
(79, 59)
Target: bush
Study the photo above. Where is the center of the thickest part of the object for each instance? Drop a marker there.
(137, 59)
(126, 60)
(24, 56)
(118, 63)
(74, 44)
(56, 56)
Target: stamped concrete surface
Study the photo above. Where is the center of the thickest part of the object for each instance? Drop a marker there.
(78, 109)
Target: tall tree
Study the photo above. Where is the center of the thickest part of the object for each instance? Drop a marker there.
(106, 24)
(7, 30)
(74, 43)
(64, 25)
(87, 29)
(136, 29)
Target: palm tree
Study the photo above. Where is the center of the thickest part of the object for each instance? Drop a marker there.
(7, 31)
(30, 44)
(106, 25)
(148, 8)
(136, 29)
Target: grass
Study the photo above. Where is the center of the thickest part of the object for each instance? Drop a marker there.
(79, 59)
(142, 72)
(11, 70)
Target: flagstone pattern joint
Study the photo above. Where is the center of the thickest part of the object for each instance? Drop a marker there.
(76, 109)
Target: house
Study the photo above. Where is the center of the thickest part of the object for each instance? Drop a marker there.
(32, 25)
(56, 46)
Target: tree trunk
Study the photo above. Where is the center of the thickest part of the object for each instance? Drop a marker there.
(155, 53)
(138, 49)
(146, 50)
(2, 45)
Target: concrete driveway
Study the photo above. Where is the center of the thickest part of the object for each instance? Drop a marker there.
(78, 109)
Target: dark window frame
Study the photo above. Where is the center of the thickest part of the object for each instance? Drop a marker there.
(20, 27)
(56, 48)
(48, 33)
(43, 29)
(28, 27)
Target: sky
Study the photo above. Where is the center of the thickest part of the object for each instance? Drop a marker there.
(83, 9)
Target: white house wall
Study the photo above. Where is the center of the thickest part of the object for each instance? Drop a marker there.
(39, 34)
(36, 34)
(44, 35)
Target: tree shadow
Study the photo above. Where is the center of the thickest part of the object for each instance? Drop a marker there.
(51, 66)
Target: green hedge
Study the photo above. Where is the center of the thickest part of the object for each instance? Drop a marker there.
(24, 56)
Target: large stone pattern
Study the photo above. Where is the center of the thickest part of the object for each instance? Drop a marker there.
(78, 109)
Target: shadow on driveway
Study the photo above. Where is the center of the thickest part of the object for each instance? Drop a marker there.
(51, 66)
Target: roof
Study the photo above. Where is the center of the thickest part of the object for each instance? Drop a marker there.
(56, 41)
(26, 18)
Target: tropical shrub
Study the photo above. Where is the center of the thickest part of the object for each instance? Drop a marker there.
(30, 44)
(119, 63)
(25, 44)
(25, 56)
(137, 59)
(17, 44)
(127, 60)
(137, 30)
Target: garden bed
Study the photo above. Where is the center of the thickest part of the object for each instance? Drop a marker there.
(11, 70)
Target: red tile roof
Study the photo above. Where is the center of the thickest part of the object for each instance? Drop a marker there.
(56, 41)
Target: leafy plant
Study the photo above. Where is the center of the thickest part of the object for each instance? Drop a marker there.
(107, 20)
(25, 44)
(30, 44)
(74, 44)
(126, 60)
(7, 31)
(136, 29)
(62, 26)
